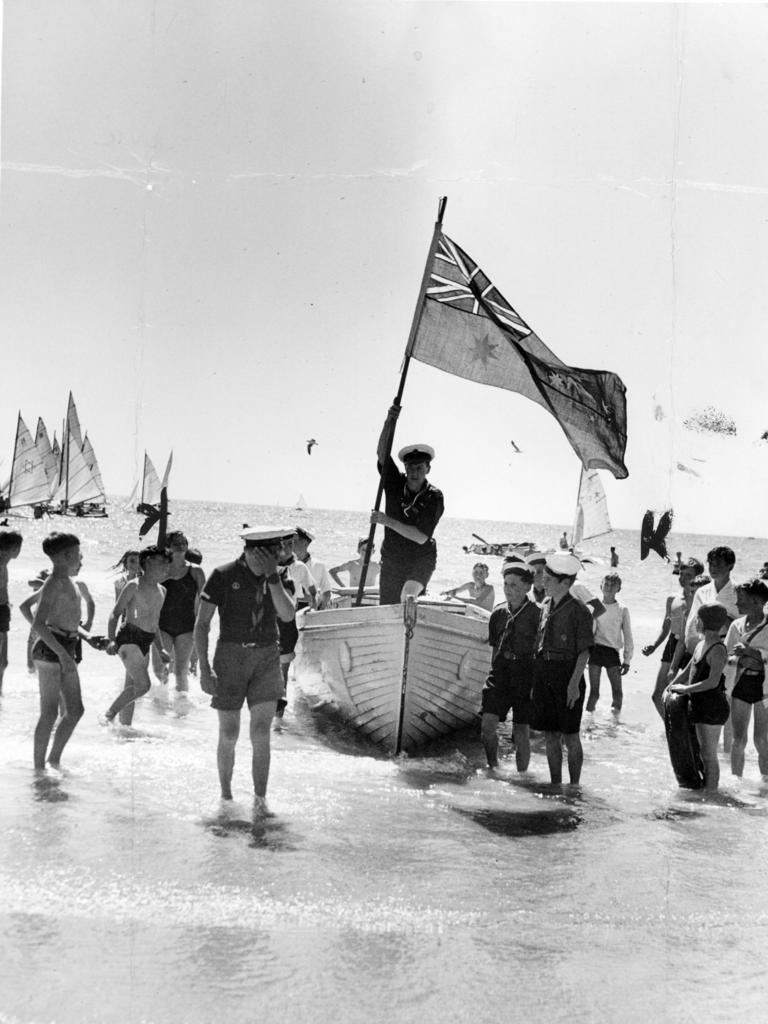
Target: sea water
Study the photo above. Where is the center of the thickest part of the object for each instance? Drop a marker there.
(381, 889)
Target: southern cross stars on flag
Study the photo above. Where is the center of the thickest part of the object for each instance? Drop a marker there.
(469, 329)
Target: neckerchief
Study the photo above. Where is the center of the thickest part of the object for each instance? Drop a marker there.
(411, 504)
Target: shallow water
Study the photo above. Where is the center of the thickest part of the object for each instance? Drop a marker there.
(380, 889)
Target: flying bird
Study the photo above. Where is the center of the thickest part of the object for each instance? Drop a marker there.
(518, 450)
(310, 444)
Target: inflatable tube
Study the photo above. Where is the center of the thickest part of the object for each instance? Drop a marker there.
(681, 740)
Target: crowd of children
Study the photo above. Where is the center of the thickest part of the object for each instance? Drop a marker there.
(549, 631)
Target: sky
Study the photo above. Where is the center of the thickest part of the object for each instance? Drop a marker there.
(216, 215)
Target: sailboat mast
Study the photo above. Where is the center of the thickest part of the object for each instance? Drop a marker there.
(143, 477)
(574, 539)
(13, 460)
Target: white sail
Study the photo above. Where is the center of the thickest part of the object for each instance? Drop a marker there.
(91, 461)
(151, 486)
(301, 503)
(49, 459)
(28, 484)
(77, 481)
(592, 518)
(130, 505)
(167, 473)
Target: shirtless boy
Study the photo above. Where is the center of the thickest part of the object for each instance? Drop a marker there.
(140, 601)
(10, 546)
(56, 623)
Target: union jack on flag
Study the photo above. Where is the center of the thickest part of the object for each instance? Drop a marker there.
(461, 283)
(467, 327)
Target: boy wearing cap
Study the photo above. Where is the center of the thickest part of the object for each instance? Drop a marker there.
(413, 509)
(249, 596)
(562, 651)
(512, 632)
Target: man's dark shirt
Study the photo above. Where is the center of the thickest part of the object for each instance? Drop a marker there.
(246, 611)
(422, 510)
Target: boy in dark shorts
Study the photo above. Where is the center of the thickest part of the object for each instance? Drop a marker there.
(140, 601)
(562, 652)
(10, 547)
(56, 622)
(613, 647)
(512, 632)
(746, 643)
(249, 596)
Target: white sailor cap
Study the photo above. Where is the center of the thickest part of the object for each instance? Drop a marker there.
(535, 557)
(563, 564)
(308, 537)
(266, 534)
(416, 453)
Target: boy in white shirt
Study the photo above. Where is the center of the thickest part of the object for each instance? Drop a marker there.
(613, 633)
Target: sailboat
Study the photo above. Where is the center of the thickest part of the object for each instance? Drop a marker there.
(151, 486)
(28, 485)
(592, 519)
(80, 490)
(301, 503)
(49, 454)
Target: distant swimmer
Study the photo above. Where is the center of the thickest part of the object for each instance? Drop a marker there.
(564, 545)
(310, 445)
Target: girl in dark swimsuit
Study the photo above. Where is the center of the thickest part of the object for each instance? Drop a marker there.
(703, 679)
(747, 645)
(177, 618)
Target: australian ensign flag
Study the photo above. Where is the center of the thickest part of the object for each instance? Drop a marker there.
(469, 329)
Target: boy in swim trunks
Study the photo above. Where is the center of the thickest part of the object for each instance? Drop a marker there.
(10, 546)
(56, 622)
(613, 633)
(562, 652)
(512, 631)
(141, 601)
(746, 643)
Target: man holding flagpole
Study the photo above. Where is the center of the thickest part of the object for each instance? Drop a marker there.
(413, 509)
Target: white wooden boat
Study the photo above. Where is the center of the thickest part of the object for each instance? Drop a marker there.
(402, 674)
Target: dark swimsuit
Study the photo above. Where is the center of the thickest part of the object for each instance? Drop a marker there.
(69, 641)
(177, 615)
(130, 634)
(708, 707)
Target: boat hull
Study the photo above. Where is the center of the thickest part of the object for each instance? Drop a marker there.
(403, 675)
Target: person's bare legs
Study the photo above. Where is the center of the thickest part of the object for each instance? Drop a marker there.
(522, 737)
(229, 730)
(760, 735)
(572, 741)
(488, 726)
(54, 683)
(594, 686)
(614, 678)
(181, 649)
(554, 755)
(3, 658)
(74, 710)
(49, 680)
(740, 715)
(137, 679)
(662, 679)
(261, 721)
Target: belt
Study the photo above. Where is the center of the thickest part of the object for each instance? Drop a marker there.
(511, 656)
(752, 672)
(248, 646)
(555, 656)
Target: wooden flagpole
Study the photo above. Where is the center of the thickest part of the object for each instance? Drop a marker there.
(406, 362)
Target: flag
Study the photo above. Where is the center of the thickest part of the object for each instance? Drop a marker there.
(469, 329)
